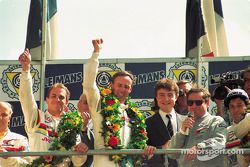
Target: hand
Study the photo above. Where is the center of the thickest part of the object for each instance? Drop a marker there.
(187, 123)
(149, 150)
(97, 45)
(25, 60)
(165, 146)
(191, 154)
(81, 147)
(83, 108)
(48, 158)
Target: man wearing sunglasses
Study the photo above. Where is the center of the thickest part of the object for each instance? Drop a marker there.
(198, 132)
(181, 103)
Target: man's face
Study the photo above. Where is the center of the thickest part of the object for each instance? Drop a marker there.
(4, 116)
(197, 105)
(182, 99)
(122, 87)
(237, 109)
(166, 99)
(57, 101)
(246, 86)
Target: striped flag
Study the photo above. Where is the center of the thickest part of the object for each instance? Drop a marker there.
(205, 31)
(34, 30)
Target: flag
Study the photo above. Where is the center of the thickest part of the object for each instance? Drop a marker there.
(34, 30)
(205, 31)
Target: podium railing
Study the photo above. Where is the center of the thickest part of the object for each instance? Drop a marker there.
(108, 152)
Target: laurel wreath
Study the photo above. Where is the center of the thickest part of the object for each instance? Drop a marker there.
(68, 129)
(113, 121)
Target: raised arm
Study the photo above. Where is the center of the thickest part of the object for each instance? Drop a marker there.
(90, 88)
(26, 96)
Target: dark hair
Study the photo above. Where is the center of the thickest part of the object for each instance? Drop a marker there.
(206, 95)
(167, 83)
(184, 82)
(60, 85)
(122, 74)
(246, 70)
(243, 72)
(164, 83)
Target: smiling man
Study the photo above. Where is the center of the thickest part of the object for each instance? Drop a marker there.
(41, 126)
(166, 122)
(117, 123)
(200, 132)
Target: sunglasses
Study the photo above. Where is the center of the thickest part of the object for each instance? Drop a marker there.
(197, 102)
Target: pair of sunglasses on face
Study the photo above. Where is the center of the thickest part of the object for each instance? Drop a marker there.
(197, 102)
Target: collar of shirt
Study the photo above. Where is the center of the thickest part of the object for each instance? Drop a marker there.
(172, 117)
(206, 114)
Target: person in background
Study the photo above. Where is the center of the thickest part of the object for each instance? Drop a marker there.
(164, 123)
(201, 132)
(221, 111)
(40, 126)
(87, 135)
(238, 133)
(181, 103)
(246, 78)
(10, 141)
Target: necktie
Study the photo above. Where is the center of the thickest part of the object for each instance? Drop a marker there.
(169, 126)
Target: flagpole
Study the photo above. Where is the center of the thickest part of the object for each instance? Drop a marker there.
(199, 62)
(43, 53)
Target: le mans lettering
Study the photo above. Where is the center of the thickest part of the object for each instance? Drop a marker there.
(65, 79)
(149, 77)
(17, 121)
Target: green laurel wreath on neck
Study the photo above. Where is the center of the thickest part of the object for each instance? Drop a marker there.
(113, 121)
(68, 129)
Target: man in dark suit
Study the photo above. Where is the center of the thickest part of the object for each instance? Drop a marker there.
(164, 123)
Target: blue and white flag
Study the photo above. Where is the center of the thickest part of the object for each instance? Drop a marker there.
(205, 31)
(34, 30)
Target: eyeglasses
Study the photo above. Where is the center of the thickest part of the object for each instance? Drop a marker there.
(197, 102)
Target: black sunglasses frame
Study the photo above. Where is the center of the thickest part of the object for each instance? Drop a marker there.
(197, 102)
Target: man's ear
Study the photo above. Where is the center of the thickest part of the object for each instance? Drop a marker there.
(47, 100)
(111, 85)
(208, 102)
(131, 89)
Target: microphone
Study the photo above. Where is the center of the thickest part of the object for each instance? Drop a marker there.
(189, 115)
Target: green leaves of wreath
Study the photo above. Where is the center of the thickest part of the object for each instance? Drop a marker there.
(113, 122)
(68, 129)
